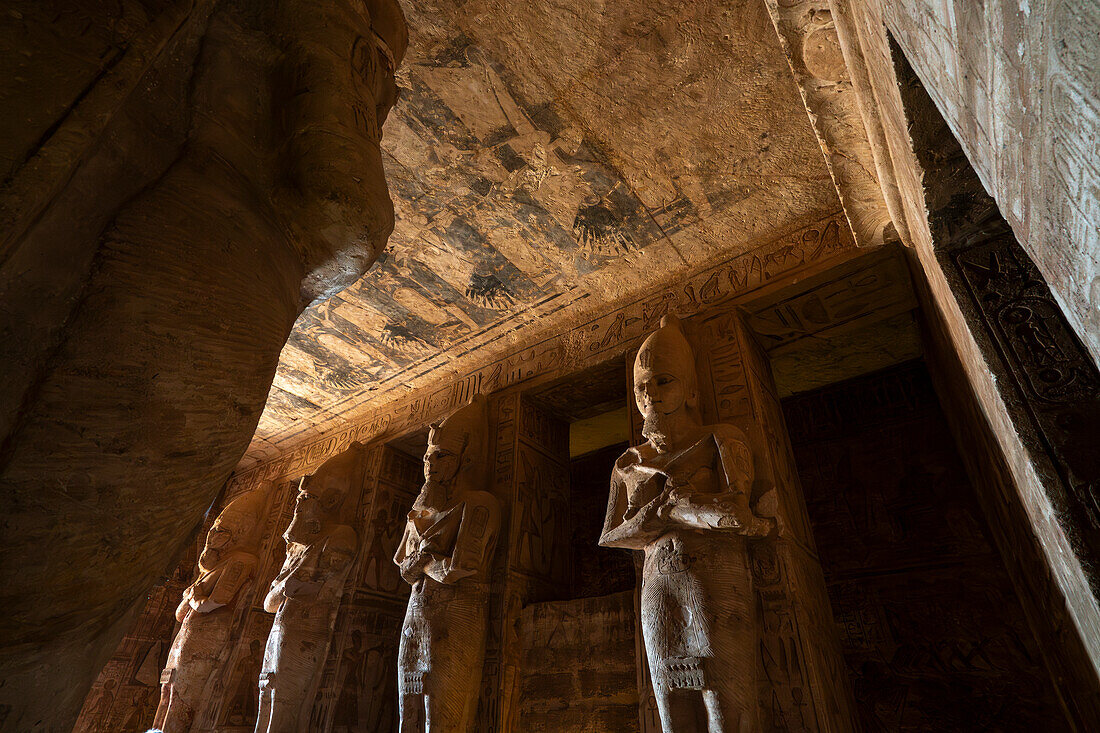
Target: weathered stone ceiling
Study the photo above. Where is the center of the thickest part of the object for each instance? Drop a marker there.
(547, 159)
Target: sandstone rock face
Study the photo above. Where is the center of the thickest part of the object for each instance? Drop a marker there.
(161, 236)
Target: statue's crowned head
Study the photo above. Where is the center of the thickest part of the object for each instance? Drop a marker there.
(237, 528)
(323, 494)
(665, 382)
(455, 447)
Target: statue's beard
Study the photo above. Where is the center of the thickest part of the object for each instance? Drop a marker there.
(209, 559)
(434, 494)
(655, 427)
(303, 529)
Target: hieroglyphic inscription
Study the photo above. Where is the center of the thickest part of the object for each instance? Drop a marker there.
(876, 286)
(1055, 381)
(604, 336)
(802, 684)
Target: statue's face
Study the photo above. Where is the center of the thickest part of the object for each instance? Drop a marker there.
(219, 540)
(306, 524)
(440, 464)
(321, 495)
(658, 393)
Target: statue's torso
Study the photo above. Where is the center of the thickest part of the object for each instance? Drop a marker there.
(695, 582)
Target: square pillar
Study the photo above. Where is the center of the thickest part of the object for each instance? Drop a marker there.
(803, 681)
(531, 480)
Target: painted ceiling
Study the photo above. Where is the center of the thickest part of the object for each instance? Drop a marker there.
(546, 160)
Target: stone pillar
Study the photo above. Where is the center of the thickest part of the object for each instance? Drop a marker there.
(170, 217)
(531, 480)
(802, 678)
(359, 686)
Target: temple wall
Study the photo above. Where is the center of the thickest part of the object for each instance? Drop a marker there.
(889, 511)
(1018, 83)
(1015, 477)
(579, 667)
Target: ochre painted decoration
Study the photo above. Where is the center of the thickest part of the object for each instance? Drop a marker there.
(445, 554)
(683, 498)
(306, 593)
(226, 568)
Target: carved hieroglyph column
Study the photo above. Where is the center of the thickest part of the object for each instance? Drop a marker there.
(171, 214)
(809, 39)
(531, 480)
(802, 679)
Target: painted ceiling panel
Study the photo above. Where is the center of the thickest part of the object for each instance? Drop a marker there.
(549, 159)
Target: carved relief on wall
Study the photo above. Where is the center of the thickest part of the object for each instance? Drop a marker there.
(306, 593)
(683, 498)
(1058, 386)
(125, 695)
(445, 554)
(933, 634)
(227, 565)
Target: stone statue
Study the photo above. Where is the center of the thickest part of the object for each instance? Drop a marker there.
(206, 613)
(306, 593)
(226, 565)
(683, 498)
(445, 554)
(172, 196)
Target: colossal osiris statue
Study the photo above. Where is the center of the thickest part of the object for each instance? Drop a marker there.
(445, 554)
(306, 593)
(227, 563)
(682, 497)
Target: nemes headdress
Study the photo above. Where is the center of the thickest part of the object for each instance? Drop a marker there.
(667, 350)
(463, 433)
(461, 428)
(245, 515)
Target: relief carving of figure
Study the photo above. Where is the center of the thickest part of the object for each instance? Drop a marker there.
(682, 497)
(227, 564)
(306, 593)
(445, 554)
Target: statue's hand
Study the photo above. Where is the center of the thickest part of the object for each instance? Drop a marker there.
(412, 567)
(294, 588)
(205, 606)
(739, 516)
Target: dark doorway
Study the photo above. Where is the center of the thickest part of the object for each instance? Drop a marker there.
(933, 634)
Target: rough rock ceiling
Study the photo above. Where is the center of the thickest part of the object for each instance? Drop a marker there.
(547, 159)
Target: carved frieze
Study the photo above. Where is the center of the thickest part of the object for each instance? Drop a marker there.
(1055, 382)
(607, 334)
